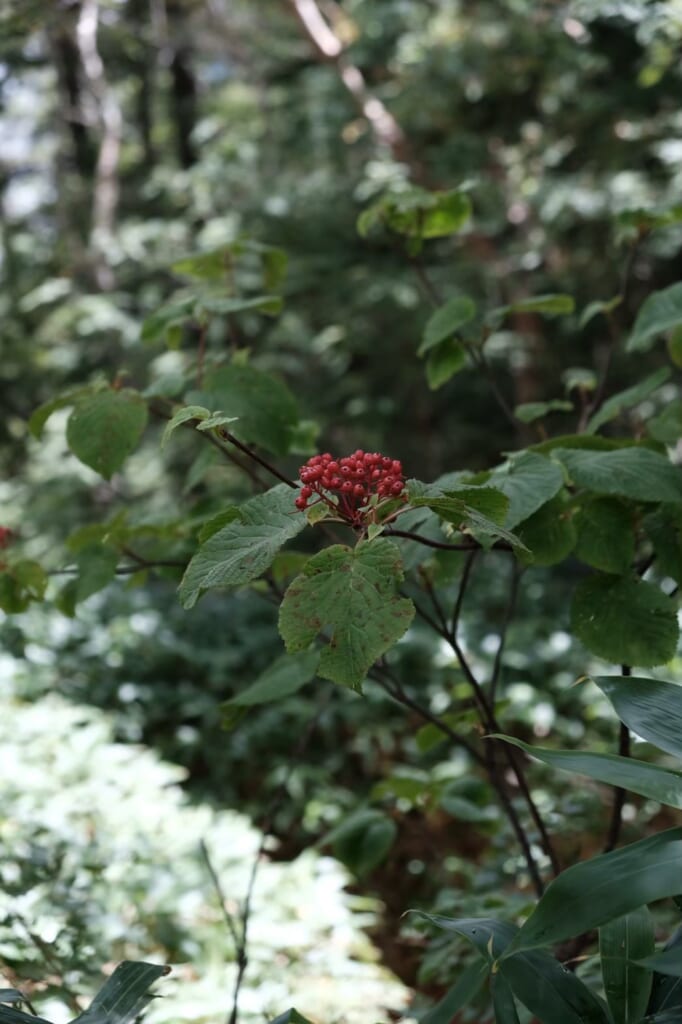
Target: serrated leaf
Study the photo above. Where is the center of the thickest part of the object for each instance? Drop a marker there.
(462, 508)
(606, 535)
(528, 481)
(635, 473)
(617, 404)
(660, 312)
(217, 522)
(528, 412)
(285, 676)
(599, 890)
(627, 773)
(348, 596)
(650, 707)
(244, 549)
(627, 985)
(184, 415)
(104, 429)
(626, 621)
(124, 995)
(446, 321)
(266, 409)
(549, 533)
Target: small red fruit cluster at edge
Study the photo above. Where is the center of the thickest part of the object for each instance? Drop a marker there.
(352, 480)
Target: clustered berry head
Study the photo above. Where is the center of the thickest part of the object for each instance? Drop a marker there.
(346, 485)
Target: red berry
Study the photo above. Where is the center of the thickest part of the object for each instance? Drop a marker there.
(346, 486)
(301, 503)
(306, 492)
(359, 490)
(397, 487)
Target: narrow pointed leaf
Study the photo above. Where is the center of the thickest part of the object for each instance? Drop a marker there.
(244, 549)
(666, 991)
(503, 1001)
(462, 992)
(668, 961)
(10, 1015)
(550, 991)
(283, 677)
(124, 995)
(650, 707)
(636, 776)
(627, 985)
(348, 596)
(291, 1017)
(617, 404)
(446, 321)
(597, 891)
(660, 312)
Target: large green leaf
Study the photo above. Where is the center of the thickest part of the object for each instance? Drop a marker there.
(636, 776)
(482, 509)
(446, 321)
(504, 1004)
(266, 409)
(105, 427)
(660, 312)
(617, 404)
(606, 534)
(348, 596)
(444, 362)
(549, 533)
(668, 961)
(124, 995)
(363, 840)
(650, 707)
(283, 677)
(528, 480)
(462, 992)
(635, 473)
(597, 891)
(627, 621)
(664, 528)
(244, 549)
(666, 991)
(627, 985)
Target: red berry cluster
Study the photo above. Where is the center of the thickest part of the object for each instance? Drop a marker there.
(351, 480)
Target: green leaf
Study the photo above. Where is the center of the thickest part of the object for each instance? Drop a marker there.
(550, 305)
(674, 346)
(550, 991)
(446, 321)
(9, 1015)
(184, 415)
(627, 621)
(606, 535)
(529, 481)
(549, 533)
(627, 986)
(651, 708)
(363, 840)
(217, 522)
(41, 415)
(503, 1000)
(489, 937)
(291, 1017)
(528, 412)
(225, 305)
(462, 508)
(664, 528)
(599, 890)
(265, 407)
(104, 429)
(124, 995)
(418, 214)
(635, 473)
(660, 312)
(668, 961)
(599, 306)
(444, 362)
(469, 983)
(285, 676)
(347, 595)
(614, 406)
(11, 995)
(160, 324)
(666, 991)
(215, 421)
(636, 776)
(667, 427)
(96, 569)
(244, 549)
(580, 378)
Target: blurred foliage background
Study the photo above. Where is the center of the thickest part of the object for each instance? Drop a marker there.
(135, 132)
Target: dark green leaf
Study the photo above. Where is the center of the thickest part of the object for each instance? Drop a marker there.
(650, 707)
(597, 891)
(606, 535)
(664, 528)
(550, 305)
(244, 549)
(160, 324)
(550, 991)
(39, 418)
(503, 1000)
(469, 983)
(636, 776)
(614, 406)
(363, 840)
(446, 321)
(635, 473)
(660, 312)
(225, 305)
(528, 480)
(549, 533)
(285, 676)
(291, 1017)
(668, 961)
(104, 429)
(96, 568)
(444, 362)
(627, 986)
(595, 308)
(9, 1015)
(626, 621)
(528, 412)
(124, 995)
(667, 428)
(348, 596)
(666, 991)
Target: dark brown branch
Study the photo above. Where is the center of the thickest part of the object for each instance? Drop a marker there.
(258, 458)
(619, 794)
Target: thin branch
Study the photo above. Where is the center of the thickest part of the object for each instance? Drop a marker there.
(509, 615)
(442, 545)
(257, 458)
(230, 922)
(459, 600)
(437, 607)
